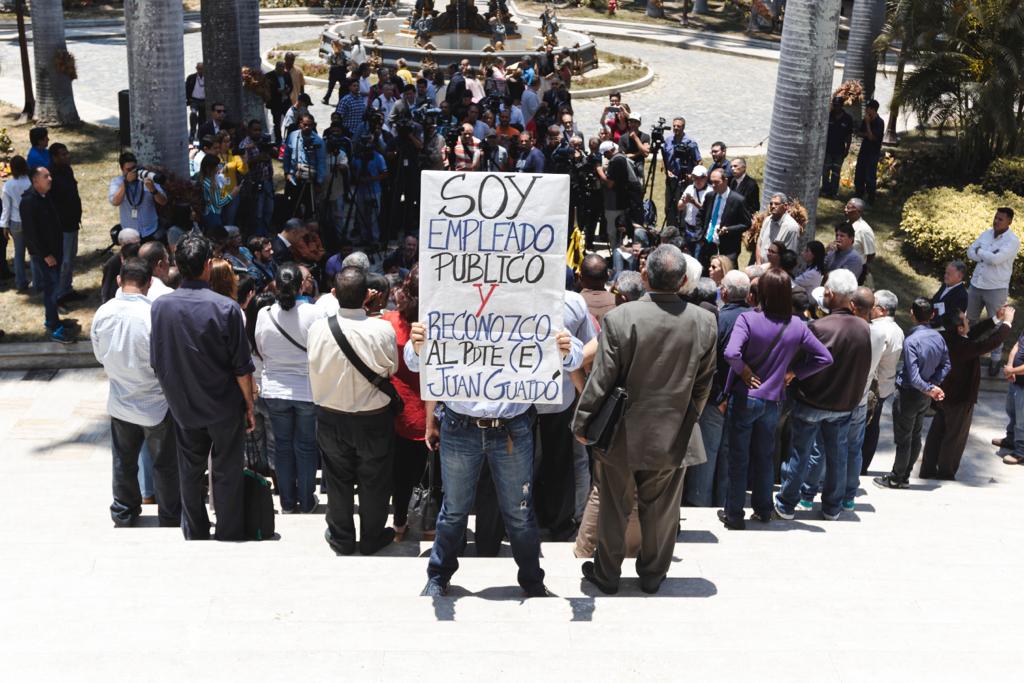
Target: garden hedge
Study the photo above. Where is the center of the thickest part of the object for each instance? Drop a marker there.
(940, 223)
(1005, 175)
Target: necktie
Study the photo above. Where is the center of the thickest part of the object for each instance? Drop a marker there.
(714, 218)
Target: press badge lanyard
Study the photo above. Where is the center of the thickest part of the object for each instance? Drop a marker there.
(128, 195)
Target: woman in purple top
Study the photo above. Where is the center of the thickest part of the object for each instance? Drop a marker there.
(760, 354)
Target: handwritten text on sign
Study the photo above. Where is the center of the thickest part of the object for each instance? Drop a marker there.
(492, 285)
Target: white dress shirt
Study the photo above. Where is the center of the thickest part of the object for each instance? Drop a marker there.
(335, 382)
(713, 225)
(285, 371)
(892, 350)
(995, 256)
(120, 341)
(863, 239)
(578, 322)
(12, 192)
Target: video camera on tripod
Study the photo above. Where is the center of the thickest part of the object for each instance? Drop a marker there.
(658, 132)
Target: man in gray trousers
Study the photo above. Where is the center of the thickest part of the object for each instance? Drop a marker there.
(661, 349)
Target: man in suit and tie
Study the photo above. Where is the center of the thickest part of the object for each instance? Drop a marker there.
(724, 218)
(953, 292)
(655, 440)
(744, 185)
(294, 229)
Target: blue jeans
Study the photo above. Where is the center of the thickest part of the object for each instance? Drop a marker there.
(295, 451)
(67, 263)
(805, 423)
(146, 472)
(229, 212)
(752, 422)
(854, 458)
(699, 488)
(20, 275)
(509, 455)
(1015, 411)
(49, 281)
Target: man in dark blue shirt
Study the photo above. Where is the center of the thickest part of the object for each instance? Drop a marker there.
(200, 353)
(837, 146)
(925, 365)
(681, 154)
(872, 130)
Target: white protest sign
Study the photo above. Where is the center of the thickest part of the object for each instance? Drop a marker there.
(492, 285)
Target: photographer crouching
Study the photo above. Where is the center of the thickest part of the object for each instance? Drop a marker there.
(305, 168)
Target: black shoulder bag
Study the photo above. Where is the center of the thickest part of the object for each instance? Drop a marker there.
(382, 383)
(285, 334)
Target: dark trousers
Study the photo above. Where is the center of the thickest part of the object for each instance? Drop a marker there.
(223, 444)
(276, 116)
(357, 448)
(657, 493)
(489, 531)
(126, 441)
(907, 421)
(865, 176)
(554, 482)
(196, 117)
(409, 465)
(336, 76)
(673, 187)
(871, 436)
(947, 438)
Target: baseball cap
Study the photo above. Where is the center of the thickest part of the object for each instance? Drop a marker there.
(634, 116)
(699, 172)
(606, 147)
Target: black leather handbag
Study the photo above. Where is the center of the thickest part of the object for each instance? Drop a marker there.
(602, 427)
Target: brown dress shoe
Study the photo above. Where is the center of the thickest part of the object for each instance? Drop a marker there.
(149, 500)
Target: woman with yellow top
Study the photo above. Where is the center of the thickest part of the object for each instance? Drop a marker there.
(232, 170)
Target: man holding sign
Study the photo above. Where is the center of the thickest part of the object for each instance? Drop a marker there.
(491, 344)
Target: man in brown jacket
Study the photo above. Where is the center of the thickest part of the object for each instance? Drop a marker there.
(951, 425)
(661, 349)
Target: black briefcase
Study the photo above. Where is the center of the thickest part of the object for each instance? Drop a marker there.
(602, 427)
(259, 507)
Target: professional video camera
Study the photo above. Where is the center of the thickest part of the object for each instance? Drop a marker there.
(335, 139)
(658, 132)
(425, 113)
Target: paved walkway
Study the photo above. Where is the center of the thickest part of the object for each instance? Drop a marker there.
(915, 585)
(723, 85)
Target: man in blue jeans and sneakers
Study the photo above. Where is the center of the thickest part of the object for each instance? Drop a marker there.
(1014, 374)
(863, 303)
(825, 401)
(502, 434)
(44, 239)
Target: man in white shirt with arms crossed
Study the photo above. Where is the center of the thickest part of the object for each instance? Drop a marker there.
(994, 251)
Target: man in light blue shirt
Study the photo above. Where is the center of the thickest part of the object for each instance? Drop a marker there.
(136, 199)
(138, 410)
(305, 165)
(502, 434)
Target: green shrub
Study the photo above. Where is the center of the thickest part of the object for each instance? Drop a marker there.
(939, 224)
(1005, 175)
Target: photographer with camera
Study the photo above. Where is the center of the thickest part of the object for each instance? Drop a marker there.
(434, 155)
(258, 150)
(338, 182)
(368, 170)
(136, 193)
(585, 187)
(680, 154)
(635, 144)
(495, 157)
(557, 152)
(612, 110)
(305, 167)
(621, 185)
(403, 107)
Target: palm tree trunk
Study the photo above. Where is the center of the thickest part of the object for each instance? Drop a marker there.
(253, 106)
(796, 144)
(221, 60)
(879, 9)
(859, 53)
(56, 101)
(700, 7)
(28, 112)
(156, 62)
(894, 108)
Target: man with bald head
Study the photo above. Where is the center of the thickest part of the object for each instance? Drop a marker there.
(593, 278)
(155, 254)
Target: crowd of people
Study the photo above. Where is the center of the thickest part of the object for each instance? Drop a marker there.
(234, 330)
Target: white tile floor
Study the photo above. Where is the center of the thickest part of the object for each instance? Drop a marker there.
(915, 585)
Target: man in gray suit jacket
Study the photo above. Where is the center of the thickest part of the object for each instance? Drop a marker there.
(662, 350)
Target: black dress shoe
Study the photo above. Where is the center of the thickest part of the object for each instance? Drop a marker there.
(538, 591)
(337, 546)
(589, 575)
(385, 540)
(735, 524)
(889, 482)
(651, 587)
